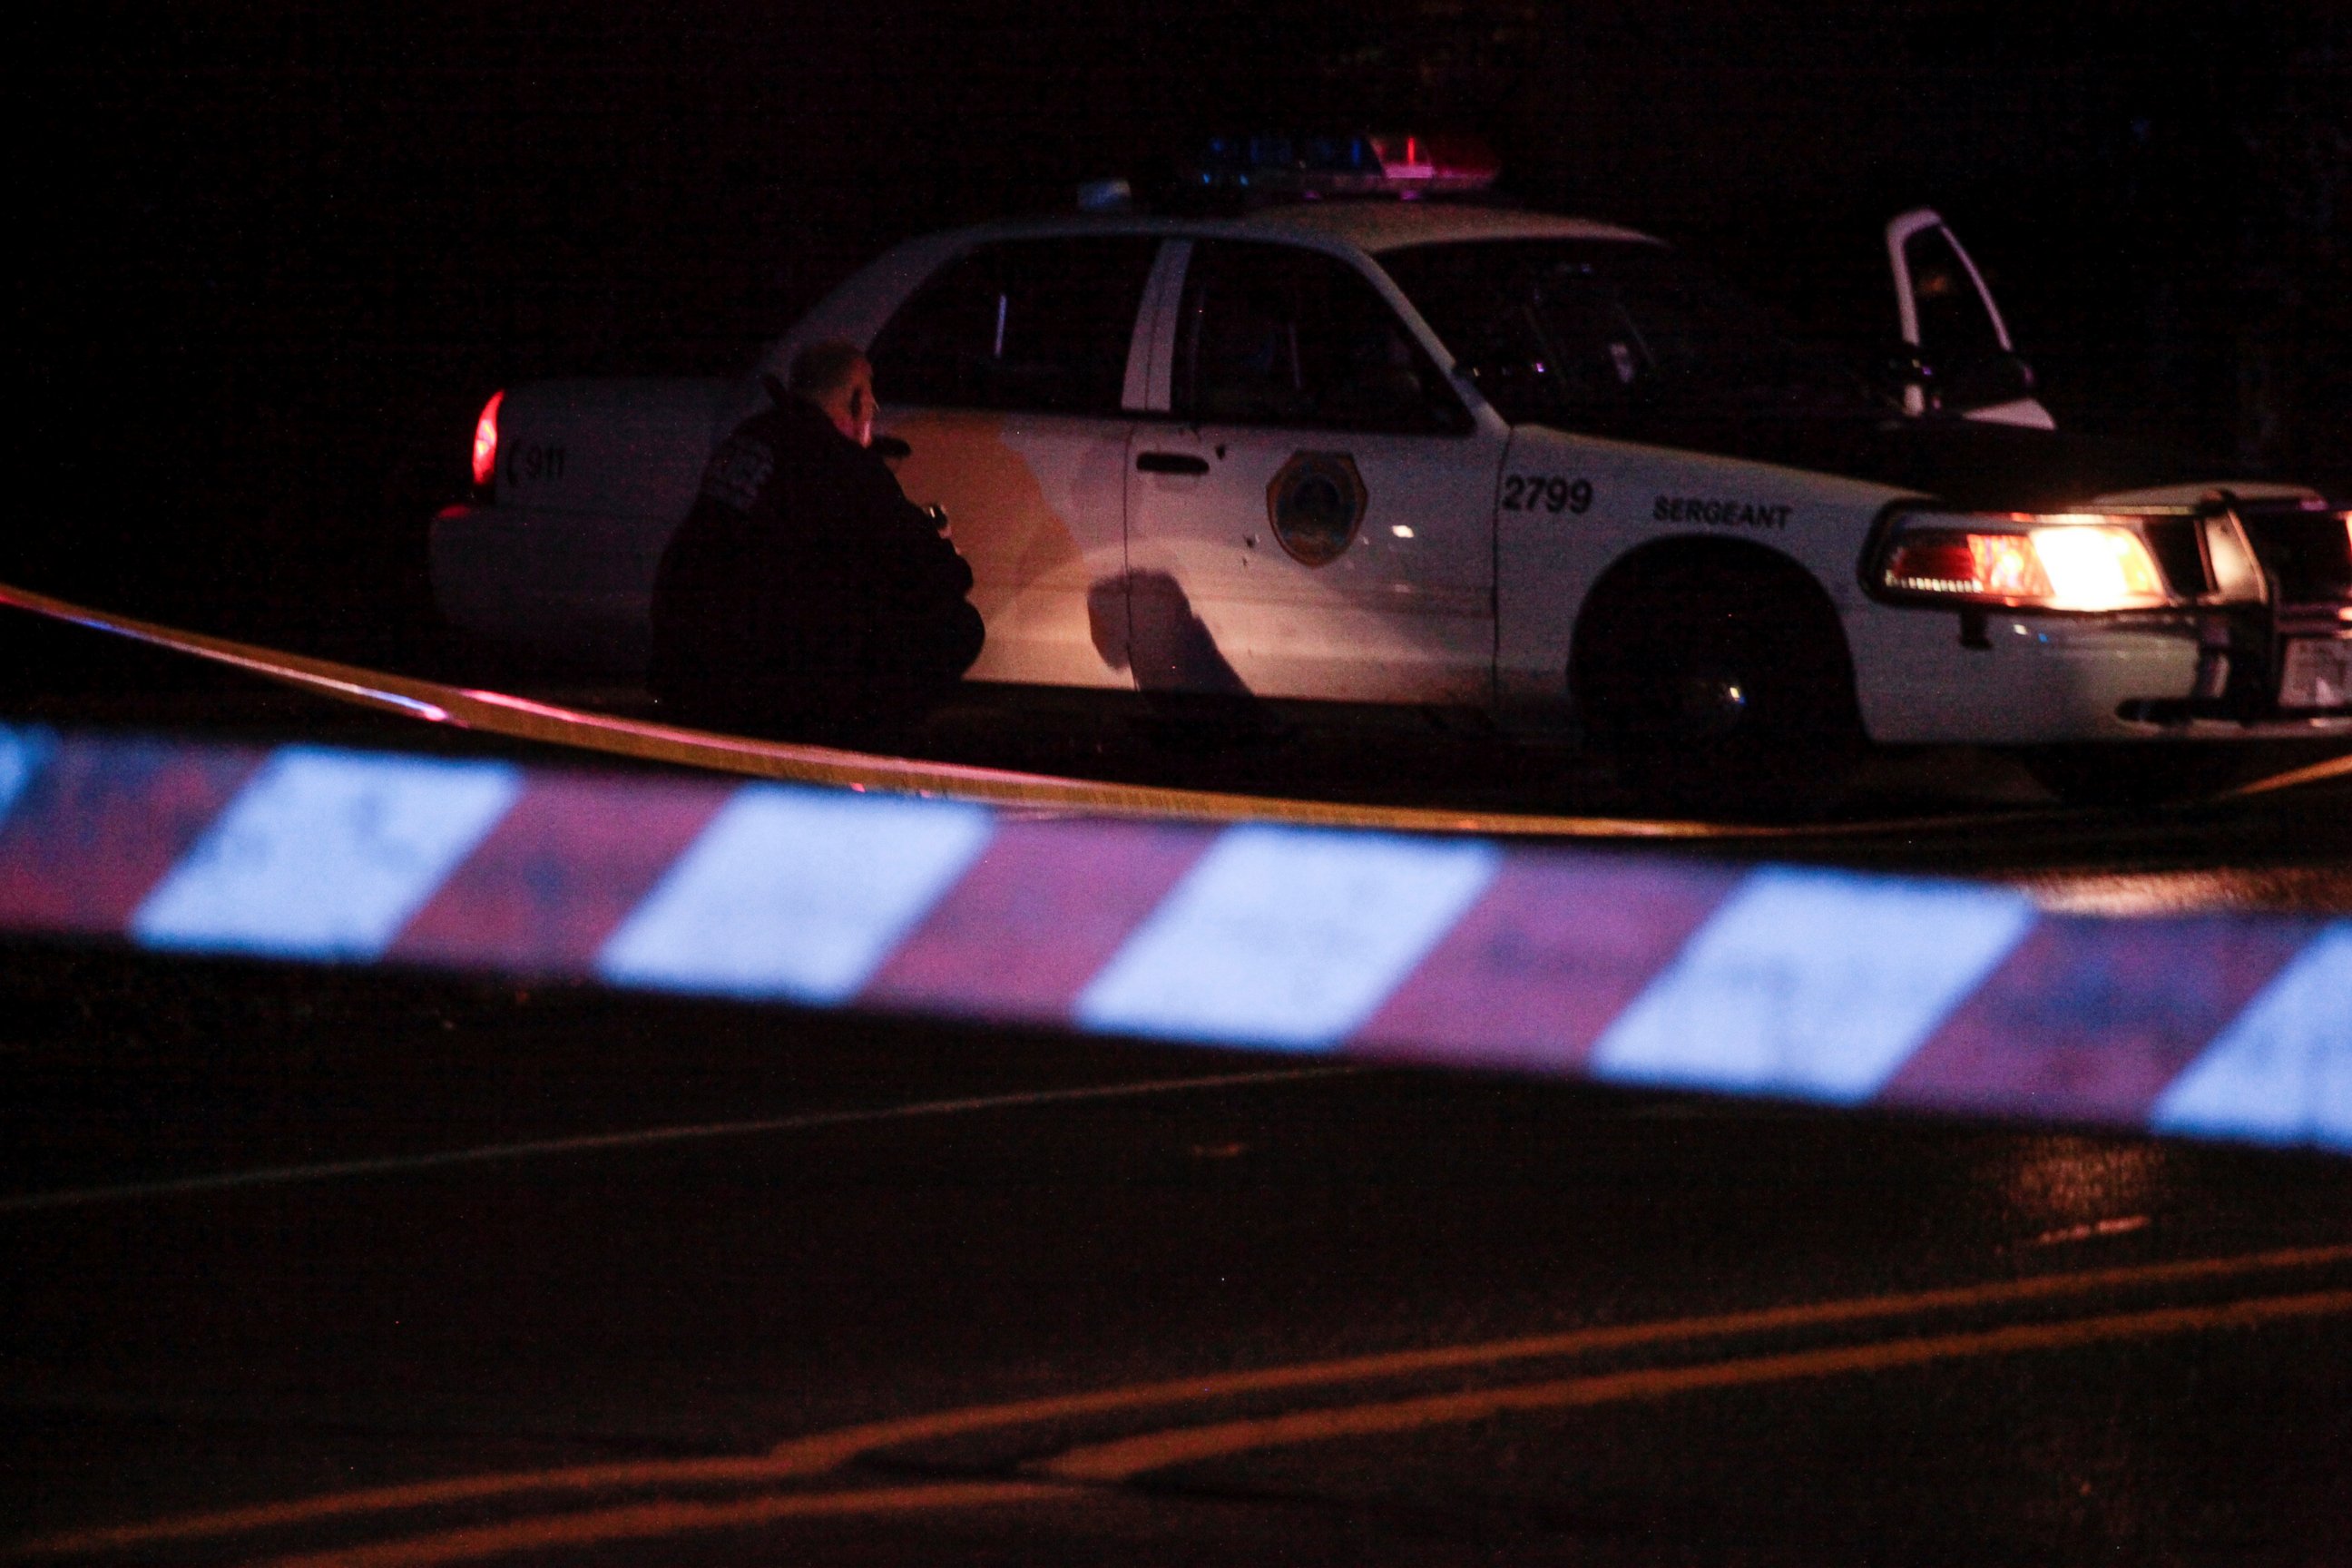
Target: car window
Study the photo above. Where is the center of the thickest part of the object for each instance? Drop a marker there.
(1036, 325)
(1954, 326)
(1582, 333)
(1276, 334)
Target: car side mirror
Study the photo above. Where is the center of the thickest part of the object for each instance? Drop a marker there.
(1900, 375)
(1921, 385)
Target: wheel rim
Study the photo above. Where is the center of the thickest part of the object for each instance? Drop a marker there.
(1713, 704)
(1696, 678)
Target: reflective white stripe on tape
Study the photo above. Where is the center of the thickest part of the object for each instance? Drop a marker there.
(1816, 983)
(794, 893)
(22, 753)
(1285, 937)
(2282, 1071)
(326, 854)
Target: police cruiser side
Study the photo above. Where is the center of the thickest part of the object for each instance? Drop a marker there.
(1426, 453)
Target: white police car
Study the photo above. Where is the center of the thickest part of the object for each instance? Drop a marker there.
(1421, 452)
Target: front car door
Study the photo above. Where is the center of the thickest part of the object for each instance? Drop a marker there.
(1314, 517)
(1949, 318)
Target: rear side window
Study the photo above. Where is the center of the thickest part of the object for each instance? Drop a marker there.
(1029, 325)
(1276, 334)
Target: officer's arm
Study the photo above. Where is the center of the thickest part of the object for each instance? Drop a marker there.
(907, 543)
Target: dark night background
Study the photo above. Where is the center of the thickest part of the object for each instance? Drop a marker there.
(275, 255)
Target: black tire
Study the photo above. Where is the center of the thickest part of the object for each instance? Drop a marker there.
(1719, 687)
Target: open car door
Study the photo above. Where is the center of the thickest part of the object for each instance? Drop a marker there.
(1967, 363)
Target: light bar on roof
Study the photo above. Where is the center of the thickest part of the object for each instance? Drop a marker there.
(1404, 164)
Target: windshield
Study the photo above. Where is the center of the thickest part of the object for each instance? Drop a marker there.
(1586, 334)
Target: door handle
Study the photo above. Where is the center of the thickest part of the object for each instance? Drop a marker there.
(1169, 463)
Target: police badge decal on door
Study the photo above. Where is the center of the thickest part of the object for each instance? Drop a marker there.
(1316, 502)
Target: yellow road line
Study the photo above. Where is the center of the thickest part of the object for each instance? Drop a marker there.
(1130, 1457)
(825, 1451)
(1115, 1462)
(830, 1450)
(655, 1520)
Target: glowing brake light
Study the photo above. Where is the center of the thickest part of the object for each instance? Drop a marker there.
(2067, 561)
(486, 440)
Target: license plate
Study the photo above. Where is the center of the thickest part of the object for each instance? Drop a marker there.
(2318, 674)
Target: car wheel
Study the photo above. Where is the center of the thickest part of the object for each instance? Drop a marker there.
(1720, 689)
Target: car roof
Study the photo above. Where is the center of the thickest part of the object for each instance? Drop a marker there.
(1372, 227)
(1379, 226)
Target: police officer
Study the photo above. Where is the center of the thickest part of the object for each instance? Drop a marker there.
(804, 595)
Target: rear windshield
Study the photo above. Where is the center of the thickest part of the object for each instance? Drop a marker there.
(1587, 334)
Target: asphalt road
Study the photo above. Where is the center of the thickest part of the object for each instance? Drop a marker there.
(374, 1268)
(618, 1280)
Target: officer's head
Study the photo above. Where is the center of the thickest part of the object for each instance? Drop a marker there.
(837, 378)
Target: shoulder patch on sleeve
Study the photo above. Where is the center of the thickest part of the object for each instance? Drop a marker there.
(738, 471)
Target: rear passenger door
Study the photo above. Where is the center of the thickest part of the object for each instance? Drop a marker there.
(1315, 515)
(1005, 374)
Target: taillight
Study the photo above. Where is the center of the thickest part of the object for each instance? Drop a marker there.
(2065, 562)
(486, 441)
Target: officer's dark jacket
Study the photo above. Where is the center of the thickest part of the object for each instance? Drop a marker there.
(804, 580)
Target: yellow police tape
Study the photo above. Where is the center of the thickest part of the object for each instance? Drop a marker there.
(518, 718)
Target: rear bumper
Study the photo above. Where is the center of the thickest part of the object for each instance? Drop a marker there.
(534, 578)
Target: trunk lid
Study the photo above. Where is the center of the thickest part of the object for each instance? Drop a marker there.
(633, 447)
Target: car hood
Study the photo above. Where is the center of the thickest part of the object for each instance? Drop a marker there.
(1973, 465)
